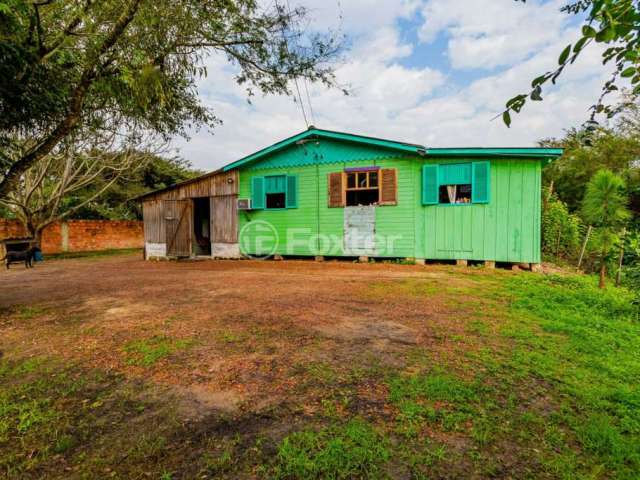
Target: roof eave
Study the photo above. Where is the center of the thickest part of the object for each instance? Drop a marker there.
(496, 152)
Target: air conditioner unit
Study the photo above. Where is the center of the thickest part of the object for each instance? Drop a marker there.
(244, 204)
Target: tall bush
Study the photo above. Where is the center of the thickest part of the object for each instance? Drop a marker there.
(561, 231)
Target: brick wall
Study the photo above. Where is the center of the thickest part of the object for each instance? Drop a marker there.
(82, 235)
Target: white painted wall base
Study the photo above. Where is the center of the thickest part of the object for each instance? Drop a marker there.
(225, 250)
(155, 250)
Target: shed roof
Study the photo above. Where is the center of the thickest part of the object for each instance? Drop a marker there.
(179, 184)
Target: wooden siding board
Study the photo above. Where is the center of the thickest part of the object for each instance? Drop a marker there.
(226, 183)
(505, 229)
(153, 220)
(224, 219)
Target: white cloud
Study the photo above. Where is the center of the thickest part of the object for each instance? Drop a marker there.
(417, 104)
(490, 33)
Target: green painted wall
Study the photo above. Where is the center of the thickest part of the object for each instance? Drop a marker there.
(506, 229)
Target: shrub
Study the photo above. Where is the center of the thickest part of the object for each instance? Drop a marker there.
(561, 231)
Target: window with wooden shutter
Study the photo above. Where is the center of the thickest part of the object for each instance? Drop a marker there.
(336, 190)
(430, 186)
(481, 181)
(456, 183)
(388, 186)
(257, 193)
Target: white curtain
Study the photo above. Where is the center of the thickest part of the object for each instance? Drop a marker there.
(452, 191)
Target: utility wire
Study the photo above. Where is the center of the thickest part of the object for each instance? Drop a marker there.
(306, 88)
(295, 78)
(304, 114)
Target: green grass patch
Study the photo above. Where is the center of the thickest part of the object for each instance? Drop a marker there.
(434, 398)
(96, 254)
(147, 352)
(353, 450)
(585, 342)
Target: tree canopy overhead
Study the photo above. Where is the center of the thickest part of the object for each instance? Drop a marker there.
(614, 23)
(133, 65)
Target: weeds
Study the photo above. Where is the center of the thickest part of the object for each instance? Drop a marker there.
(353, 450)
(147, 352)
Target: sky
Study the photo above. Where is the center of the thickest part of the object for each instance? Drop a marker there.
(432, 72)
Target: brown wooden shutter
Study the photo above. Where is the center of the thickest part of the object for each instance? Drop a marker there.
(336, 190)
(388, 186)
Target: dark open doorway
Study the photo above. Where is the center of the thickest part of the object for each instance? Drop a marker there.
(201, 226)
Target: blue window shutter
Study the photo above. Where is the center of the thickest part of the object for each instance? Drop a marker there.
(275, 184)
(292, 191)
(430, 184)
(257, 192)
(481, 186)
(454, 174)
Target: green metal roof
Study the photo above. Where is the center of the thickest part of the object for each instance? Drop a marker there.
(312, 133)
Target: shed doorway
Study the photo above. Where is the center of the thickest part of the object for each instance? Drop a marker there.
(201, 226)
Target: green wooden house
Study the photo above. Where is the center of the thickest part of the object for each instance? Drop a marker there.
(326, 193)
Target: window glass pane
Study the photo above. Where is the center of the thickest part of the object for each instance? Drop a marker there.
(458, 194)
(362, 179)
(373, 179)
(276, 200)
(362, 197)
(464, 193)
(351, 180)
(443, 195)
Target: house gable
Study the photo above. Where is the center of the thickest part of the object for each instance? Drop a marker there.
(324, 151)
(324, 146)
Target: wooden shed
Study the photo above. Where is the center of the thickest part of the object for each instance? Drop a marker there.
(194, 218)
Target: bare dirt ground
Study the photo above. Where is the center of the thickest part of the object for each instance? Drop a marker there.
(246, 325)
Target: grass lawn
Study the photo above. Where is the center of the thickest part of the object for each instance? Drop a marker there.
(117, 368)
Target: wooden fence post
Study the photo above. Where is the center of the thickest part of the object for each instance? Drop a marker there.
(619, 273)
(584, 246)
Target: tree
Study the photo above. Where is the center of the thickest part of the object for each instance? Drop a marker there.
(604, 207)
(118, 201)
(615, 147)
(47, 191)
(615, 23)
(133, 65)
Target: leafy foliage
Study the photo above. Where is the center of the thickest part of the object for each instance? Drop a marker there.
(616, 149)
(561, 230)
(118, 202)
(614, 23)
(133, 65)
(605, 202)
